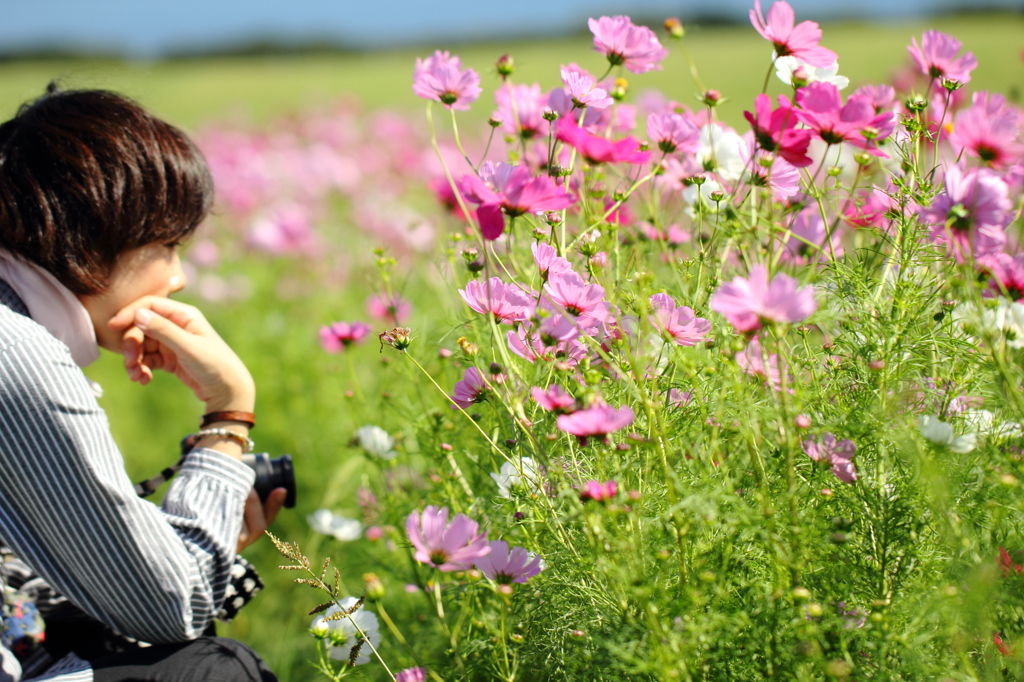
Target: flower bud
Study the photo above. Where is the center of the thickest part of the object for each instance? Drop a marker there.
(470, 254)
(320, 629)
(917, 103)
(800, 77)
(398, 338)
(802, 421)
(801, 593)
(599, 259)
(549, 115)
(374, 587)
(505, 590)
(834, 171)
(877, 365)
(717, 196)
(505, 66)
(495, 368)
(494, 122)
(444, 353)
(475, 266)
(712, 98)
(578, 634)
(674, 28)
(469, 348)
(516, 637)
(618, 92)
(952, 84)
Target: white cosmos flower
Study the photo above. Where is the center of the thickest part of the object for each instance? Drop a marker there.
(343, 635)
(786, 67)
(1005, 321)
(941, 433)
(721, 147)
(326, 522)
(376, 441)
(509, 477)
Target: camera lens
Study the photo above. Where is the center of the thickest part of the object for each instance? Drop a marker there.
(271, 474)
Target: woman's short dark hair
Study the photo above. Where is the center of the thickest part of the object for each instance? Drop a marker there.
(86, 175)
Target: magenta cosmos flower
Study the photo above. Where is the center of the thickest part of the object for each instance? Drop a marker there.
(837, 453)
(446, 546)
(597, 149)
(471, 390)
(969, 216)
(679, 323)
(441, 77)
(800, 41)
(1007, 273)
(505, 566)
(503, 189)
(508, 303)
(624, 43)
(599, 421)
(989, 129)
(340, 335)
(583, 90)
(750, 303)
(554, 399)
(937, 57)
(775, 130)
(822, 110)
(416, 674)
(673, 132)
(597, 491)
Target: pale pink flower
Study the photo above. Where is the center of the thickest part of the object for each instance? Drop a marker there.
(750, 303)
(340, 335)
(990, 130)
(521, 110)
(752, 361)
(554, 399)
(557, 327)
(446, 546)
(800, 41)
(969, 216)
(568, 291)
(882, 97)
(532, 346)
(503, 189)
(505, 566)
(599, 420)
(624, 43)
(809, 241)
(284, 229)
(673, 132)
(441, 77)
(392, 309)
(204, 253)
(768, 170)
(506, 302)
(548, 261)
(673, 234)
(837, 453)
(597, 491)
(416, 674)
(679, 323)
(471, 390)
(597, 149)
(937, 57)
(583, 89)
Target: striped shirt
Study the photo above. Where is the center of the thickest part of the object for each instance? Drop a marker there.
(69, 511)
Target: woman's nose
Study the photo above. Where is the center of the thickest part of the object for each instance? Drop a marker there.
(178, 281)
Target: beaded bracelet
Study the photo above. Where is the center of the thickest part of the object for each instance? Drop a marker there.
(247, 418)
(246, 442)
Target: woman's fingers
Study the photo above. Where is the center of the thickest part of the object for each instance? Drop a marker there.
(253, 523)
(163, 330)
(184, 315)
(274, 503)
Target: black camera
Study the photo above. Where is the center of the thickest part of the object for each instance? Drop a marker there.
(272, 473)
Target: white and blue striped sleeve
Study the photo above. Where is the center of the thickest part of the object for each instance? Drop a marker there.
(157, 574)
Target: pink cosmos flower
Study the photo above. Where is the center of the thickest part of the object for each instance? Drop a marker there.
(768, 170)
(341, 335)
(855, 122)
(521, 110)
(416, 674)
(446, 196)
(446, 546)
(471, 390)
(393, 309)
(800, 40)
(775, 130)
(597, 491)
(1007, 273)
(869, 208)
(284, 229)
(506, 566)
(808, 242)
(624, 43)
(531, 346)
(599, 421)
(970, 215)
(989, 129)
(548, 261)
(750, 303)
(554, 399)
(673, 234)
(503, 189)
(508, 303)
(752, 361)
(583, 89)
(568, 291)
(883, 97)
(837, 453)
(673, 132)
(679, 323)
(441, 77)
(937, 57)
(596, 149)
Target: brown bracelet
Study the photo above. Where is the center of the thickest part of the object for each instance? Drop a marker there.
(247, 418)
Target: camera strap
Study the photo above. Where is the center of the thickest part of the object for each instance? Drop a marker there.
(150, 485)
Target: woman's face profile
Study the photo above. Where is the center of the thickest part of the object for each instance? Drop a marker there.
(151, 270)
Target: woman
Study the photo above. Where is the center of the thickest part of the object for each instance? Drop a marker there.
(95, 196)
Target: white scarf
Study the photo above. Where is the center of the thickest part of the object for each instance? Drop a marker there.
(52, 305)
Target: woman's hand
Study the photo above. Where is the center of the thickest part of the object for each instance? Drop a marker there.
(159, 333)
(258, 517)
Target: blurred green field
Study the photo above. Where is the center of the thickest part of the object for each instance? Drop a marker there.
(302, 408)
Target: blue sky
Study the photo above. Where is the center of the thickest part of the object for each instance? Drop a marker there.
(149, 28)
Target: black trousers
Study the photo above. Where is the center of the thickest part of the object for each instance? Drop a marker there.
(116, 659)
